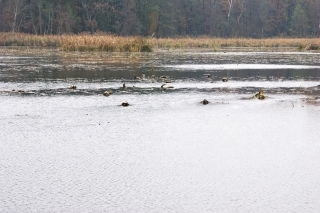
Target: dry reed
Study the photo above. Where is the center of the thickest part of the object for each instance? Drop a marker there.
(112, 43)
(203, 42)
(107, 43)
(19, 39)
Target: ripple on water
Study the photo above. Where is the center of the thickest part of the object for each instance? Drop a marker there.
(240, 66)
(66, 150)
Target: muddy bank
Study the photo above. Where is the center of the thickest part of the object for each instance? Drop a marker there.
(47, 51)
(198, 55)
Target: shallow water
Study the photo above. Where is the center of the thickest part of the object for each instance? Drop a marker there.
(65, 150)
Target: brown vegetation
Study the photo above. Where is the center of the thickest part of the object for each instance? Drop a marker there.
(207, 42)
(20, 39)
(109, 43)
(112, 43)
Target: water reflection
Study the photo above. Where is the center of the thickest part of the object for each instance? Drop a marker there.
(55, 74)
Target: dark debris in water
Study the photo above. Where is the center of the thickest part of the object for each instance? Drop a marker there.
(312, 100)
(205, 102)
(125, 104)
(79, 75)
(250, 91)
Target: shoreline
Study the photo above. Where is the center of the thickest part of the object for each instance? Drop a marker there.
(48, 51)
(113, 43)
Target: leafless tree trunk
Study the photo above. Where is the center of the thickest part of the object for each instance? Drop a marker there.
(242, 10)
(213, 5)
(92, 8)
(50, 19)
(231, 3)
(130, 22)
(18, 7)
(40, 17)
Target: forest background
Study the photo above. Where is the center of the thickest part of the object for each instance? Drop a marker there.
(164, 18)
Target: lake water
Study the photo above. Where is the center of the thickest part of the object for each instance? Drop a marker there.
(75, 150)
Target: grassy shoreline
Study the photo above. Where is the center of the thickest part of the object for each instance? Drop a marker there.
(112, 43)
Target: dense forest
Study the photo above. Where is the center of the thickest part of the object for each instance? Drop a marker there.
(164, 18)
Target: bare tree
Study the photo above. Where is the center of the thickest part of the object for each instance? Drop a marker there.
(130, 23)
(231, 3)
(242, 9)
(17, 7)
(40, 16)
(50, 12)
(91, 9)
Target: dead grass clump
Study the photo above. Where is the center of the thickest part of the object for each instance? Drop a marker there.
(106, 43)
(312, 47)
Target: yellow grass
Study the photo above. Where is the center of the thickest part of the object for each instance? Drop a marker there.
(300, 43)
(112, 43)
(19, 39)
(107, 43)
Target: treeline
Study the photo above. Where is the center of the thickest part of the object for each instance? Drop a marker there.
(164, 18)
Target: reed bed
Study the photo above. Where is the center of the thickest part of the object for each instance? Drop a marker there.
(299, 43)
(112, 43)
(19, 39)
(108, 43)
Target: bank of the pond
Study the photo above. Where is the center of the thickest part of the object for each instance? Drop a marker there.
(113, 43)
(54, 51)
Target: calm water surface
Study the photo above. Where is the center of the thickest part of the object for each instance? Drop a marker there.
(66, 150)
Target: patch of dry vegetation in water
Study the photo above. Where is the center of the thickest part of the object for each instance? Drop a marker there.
(312, 101)
(111, 43)
(108, 43)
(207, 42)
(81, 42)
(20, 39)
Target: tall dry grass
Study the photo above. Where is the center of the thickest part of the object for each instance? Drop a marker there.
(112, 43)
(109, 43)
(20, 39)
(204, 42)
